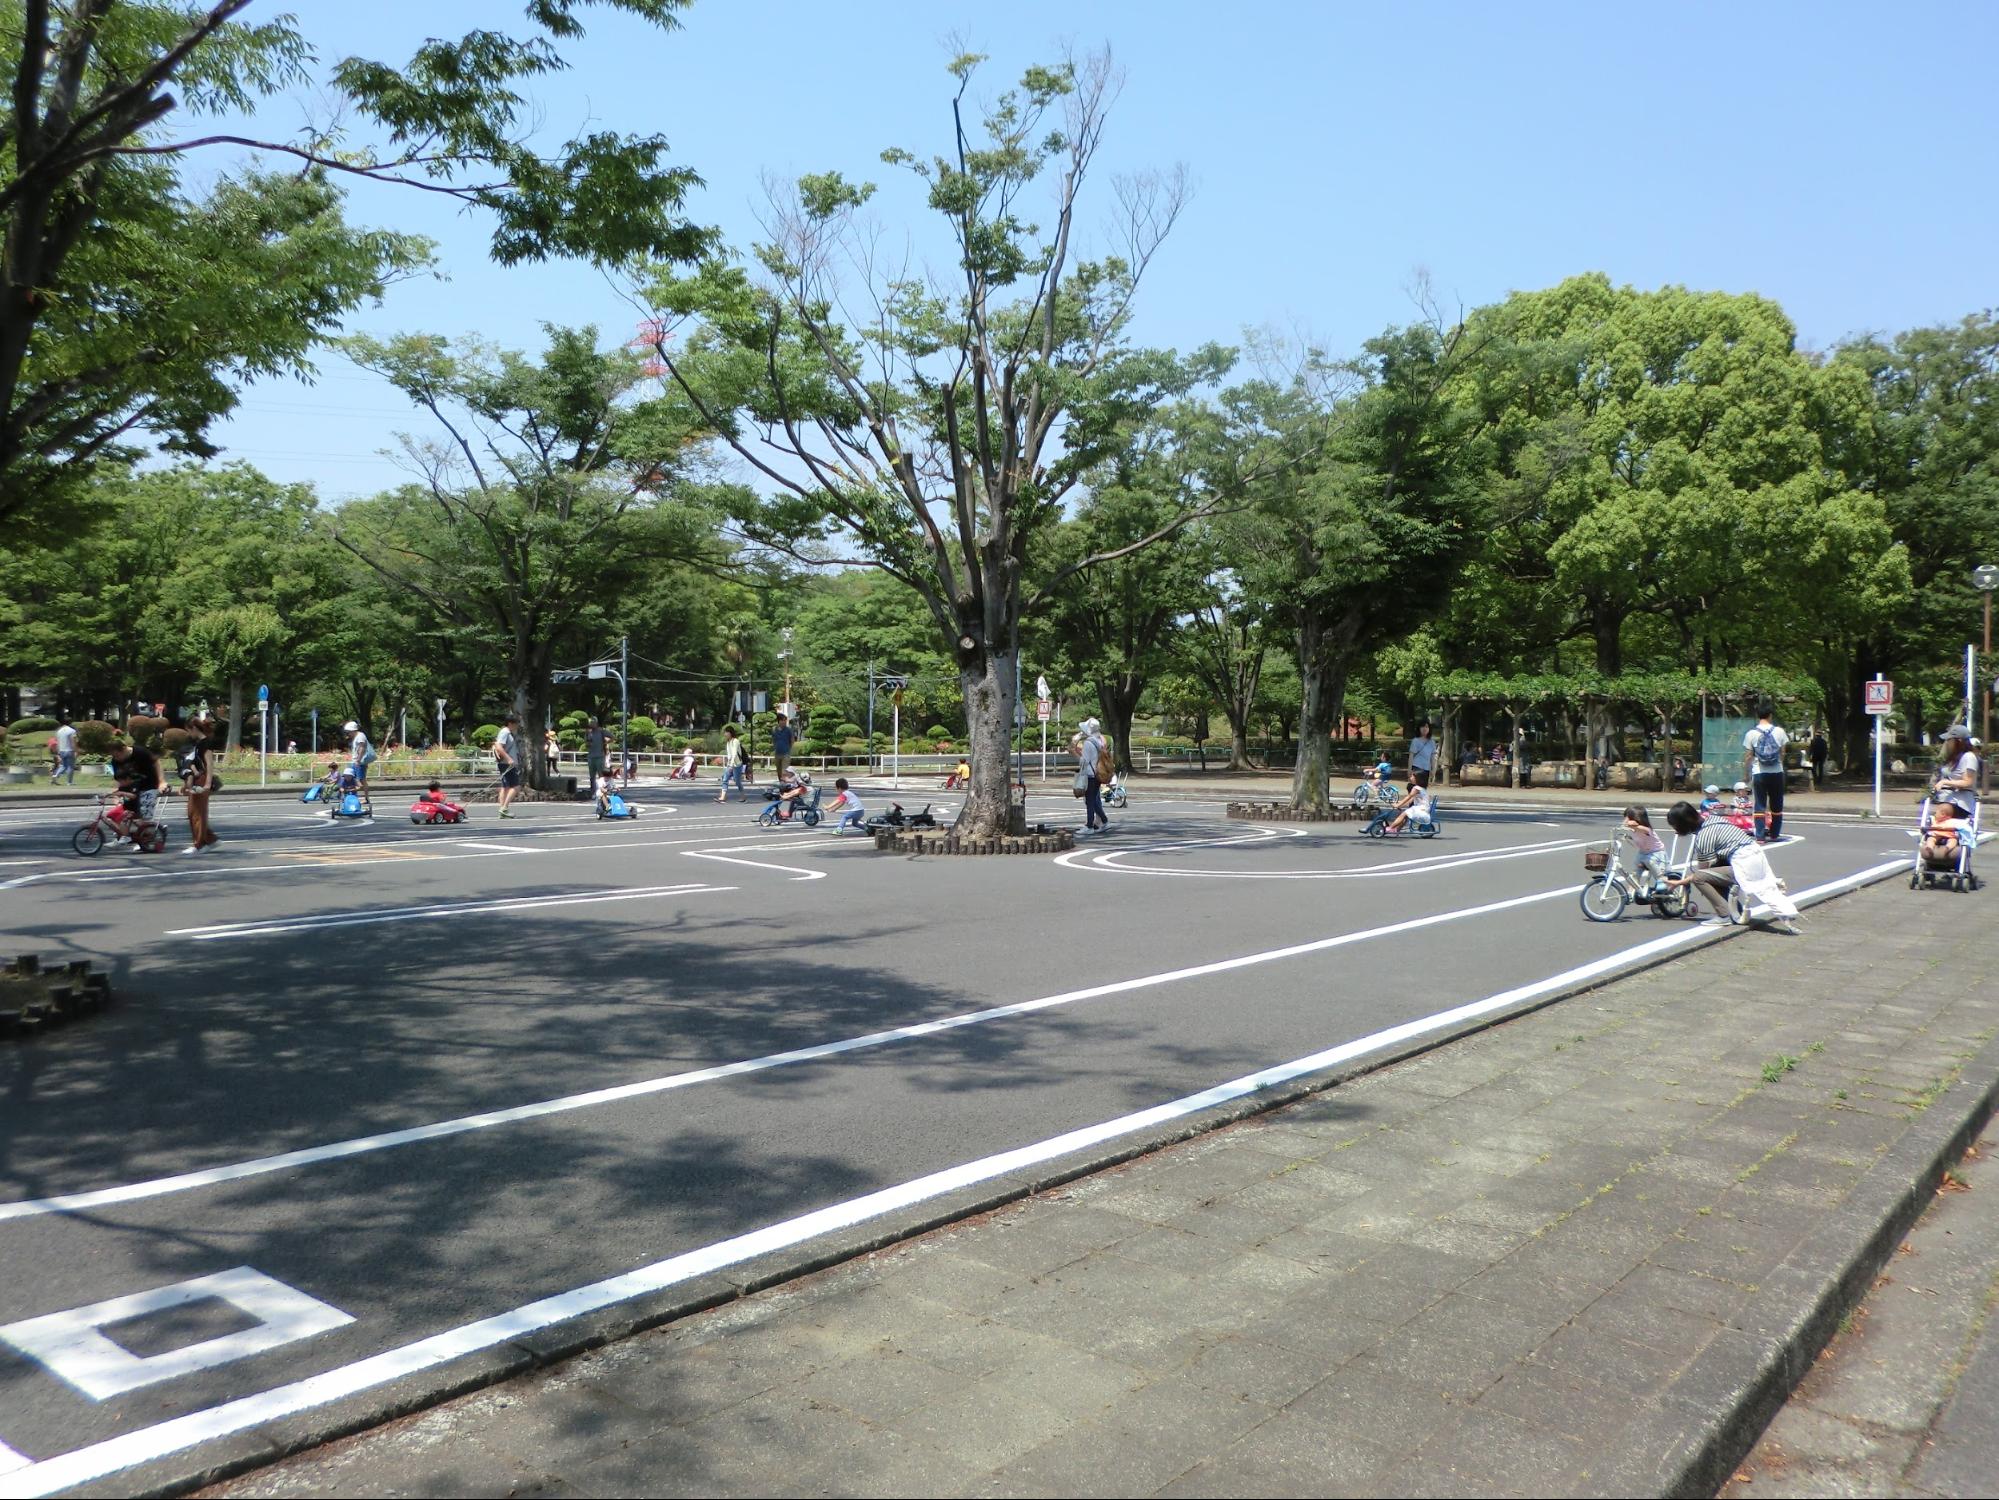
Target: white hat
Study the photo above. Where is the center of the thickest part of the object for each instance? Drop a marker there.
(350, 727)
(1742, 786)
(1711, 789)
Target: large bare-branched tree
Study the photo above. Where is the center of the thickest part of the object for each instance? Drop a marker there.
(932, 425)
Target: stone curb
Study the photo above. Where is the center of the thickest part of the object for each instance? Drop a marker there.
(224, 1458)
(1711, 1415)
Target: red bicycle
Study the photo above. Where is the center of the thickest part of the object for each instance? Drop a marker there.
(112, 824)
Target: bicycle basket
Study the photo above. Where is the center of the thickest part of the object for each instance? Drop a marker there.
(1596, 858)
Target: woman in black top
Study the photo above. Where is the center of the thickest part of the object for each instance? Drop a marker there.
(197, 775)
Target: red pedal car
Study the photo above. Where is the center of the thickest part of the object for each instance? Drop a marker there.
(435, 810)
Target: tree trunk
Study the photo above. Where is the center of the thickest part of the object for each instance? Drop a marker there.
(528, 683)
(235, 712)
(1609, 632)
(988, 687)
(1238, 743)
(1316, 709)
(1117, 698)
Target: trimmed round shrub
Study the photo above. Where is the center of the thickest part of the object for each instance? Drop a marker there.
(94, 737)
(31, 726)
(937, 734)
(484, 735)
(642, 732)
(849, 732)
(173, 741)
(144, 729)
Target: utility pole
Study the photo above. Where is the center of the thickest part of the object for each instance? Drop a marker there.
(1985, 578)
(871, 713)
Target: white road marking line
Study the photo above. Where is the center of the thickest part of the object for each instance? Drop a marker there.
(72, 1345)
(11, 1460)
(396, 852)
(723, 855)
(99, 1460)
(496, 848)
(433, 912)
(236, 1171)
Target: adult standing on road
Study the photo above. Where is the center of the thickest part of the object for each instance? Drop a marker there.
(781, 740)
(65, 743)
(596, 751)
(507, 751)
(1957, 770)
(733, 761)
(198, 779)
(1090, 754)
(1422, 754)
(1763, 756)
(1816, 753)
(359, 750)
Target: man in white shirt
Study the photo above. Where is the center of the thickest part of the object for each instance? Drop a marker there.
(1763, 756)
(507, 751)
(65, 751)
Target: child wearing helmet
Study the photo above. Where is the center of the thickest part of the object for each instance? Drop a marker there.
(1710, 800)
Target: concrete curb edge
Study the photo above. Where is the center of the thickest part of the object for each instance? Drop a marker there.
(1711, 1415)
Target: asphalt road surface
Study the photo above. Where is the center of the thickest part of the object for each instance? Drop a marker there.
(513, 1070)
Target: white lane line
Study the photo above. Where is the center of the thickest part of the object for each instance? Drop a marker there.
(11, 1460)
(755, 864)
(430, 913)
(99, 1460)
(304, 860)
(257, 1167)
(496, 848)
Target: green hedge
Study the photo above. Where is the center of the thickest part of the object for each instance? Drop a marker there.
(31, 726)
(484, 735)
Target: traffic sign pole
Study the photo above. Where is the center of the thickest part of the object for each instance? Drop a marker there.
(1883, 699)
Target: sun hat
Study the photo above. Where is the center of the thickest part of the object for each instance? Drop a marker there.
(350, 727)
(1958, 732)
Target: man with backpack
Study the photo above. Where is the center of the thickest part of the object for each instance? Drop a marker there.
(1763, 755)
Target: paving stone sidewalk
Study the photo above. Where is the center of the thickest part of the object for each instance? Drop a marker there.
(1903, 1402)
(1480, 1271)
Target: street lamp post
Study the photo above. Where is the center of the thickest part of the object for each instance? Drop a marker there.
(1985, 578)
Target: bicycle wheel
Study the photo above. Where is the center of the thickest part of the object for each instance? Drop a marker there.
(1672, 903)
(88, 839)
(1604, 900)
(1362, 796)
(1426, 830)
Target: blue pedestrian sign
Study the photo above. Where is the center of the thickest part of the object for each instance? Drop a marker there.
(264, 693)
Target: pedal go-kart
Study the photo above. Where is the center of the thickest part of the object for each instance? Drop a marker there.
(614, 805)
(896, 818)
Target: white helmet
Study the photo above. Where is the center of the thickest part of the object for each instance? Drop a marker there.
(1742, 786)
(350, 727)
(1711, 790)
(805, 778)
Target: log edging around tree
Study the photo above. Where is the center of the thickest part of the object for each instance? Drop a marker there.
(1284, 812)
(34, 999)
(1043, 840)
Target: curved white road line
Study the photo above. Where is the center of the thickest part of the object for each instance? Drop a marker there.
(1117, 861)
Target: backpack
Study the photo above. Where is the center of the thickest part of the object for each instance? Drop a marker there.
(1769, 753)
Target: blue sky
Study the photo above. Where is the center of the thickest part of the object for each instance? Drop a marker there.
(1833, 156)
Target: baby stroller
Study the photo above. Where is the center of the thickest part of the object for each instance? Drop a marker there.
(1945, 862)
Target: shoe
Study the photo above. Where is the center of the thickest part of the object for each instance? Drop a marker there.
(1786, 926)
(1716, 921)
(192, 849)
